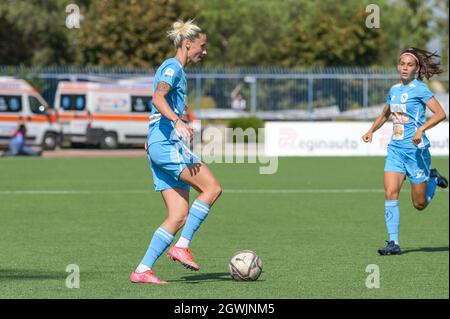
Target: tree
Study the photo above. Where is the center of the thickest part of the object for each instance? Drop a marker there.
(302, 33)
(242, 32)
(129, 33)
(330, 33)
(34, 33)
(442, 30)
(405, 23)
(289, 33)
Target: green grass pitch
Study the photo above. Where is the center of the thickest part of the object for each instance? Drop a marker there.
(316, 224)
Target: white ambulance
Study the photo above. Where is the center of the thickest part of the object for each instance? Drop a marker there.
(106, 114)
(20, 103)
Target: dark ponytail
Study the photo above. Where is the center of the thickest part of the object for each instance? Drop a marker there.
(429, 64)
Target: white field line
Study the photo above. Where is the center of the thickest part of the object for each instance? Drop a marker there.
(231, 191)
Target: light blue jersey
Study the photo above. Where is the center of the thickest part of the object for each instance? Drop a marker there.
(167, 152)
(408, 105)
(172, 73)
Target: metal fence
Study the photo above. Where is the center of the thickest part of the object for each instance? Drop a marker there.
(271, 93)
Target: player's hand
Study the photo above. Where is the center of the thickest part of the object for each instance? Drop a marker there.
(417, 138)
(367, 137)
(184, 130)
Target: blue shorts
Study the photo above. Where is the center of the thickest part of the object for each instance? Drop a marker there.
(415, 163)
(167, 160)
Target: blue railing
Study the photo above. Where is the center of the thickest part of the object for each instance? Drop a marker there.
(297, 92)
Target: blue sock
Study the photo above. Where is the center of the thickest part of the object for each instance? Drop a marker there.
(160, 241)
(197, 215)
(392, 217)
(431, 188)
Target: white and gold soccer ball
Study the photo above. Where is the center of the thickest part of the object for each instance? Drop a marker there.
(245, 265)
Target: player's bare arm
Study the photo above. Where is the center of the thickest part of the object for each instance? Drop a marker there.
(438, 116)
(379, 121)
(163, 87)
(159, 101)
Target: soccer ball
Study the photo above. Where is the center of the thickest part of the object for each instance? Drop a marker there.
(245, 265)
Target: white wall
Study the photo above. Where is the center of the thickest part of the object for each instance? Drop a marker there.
(339, 139)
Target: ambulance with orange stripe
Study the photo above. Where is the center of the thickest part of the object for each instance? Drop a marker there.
(20, 103)
(106, 114)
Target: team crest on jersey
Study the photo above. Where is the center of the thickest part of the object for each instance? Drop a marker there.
(404, 97)
(169, 72)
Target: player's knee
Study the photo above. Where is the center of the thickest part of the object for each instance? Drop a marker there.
(391, 194)
(216, 191)
(420, 205)
(178, 220)
(213, 192)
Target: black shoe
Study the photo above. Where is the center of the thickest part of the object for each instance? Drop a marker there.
(442, 182)
(390, 249)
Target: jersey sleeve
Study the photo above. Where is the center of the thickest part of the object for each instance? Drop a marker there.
(425, 94)
(169, 73)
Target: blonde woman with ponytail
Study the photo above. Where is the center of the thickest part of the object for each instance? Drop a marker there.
(175, 168)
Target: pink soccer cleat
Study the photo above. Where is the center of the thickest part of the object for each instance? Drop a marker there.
(184, 257)
(146, 277)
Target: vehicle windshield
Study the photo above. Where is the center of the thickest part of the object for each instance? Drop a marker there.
(37, 106)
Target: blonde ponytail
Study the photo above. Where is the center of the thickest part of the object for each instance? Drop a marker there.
(183, 30)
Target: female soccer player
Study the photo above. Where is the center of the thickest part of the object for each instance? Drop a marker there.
(175, 168)
(408, 154)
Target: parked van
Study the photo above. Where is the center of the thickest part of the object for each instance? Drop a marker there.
(104, 113)
(20, 103)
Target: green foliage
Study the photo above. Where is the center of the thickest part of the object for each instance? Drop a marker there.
(246, 122)
(404, 23)
(252, 123)
(331, 34)
(129, 33)
(290, 33)
(242, 32)
(295, 33)
(34, 33)
(441, 28)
